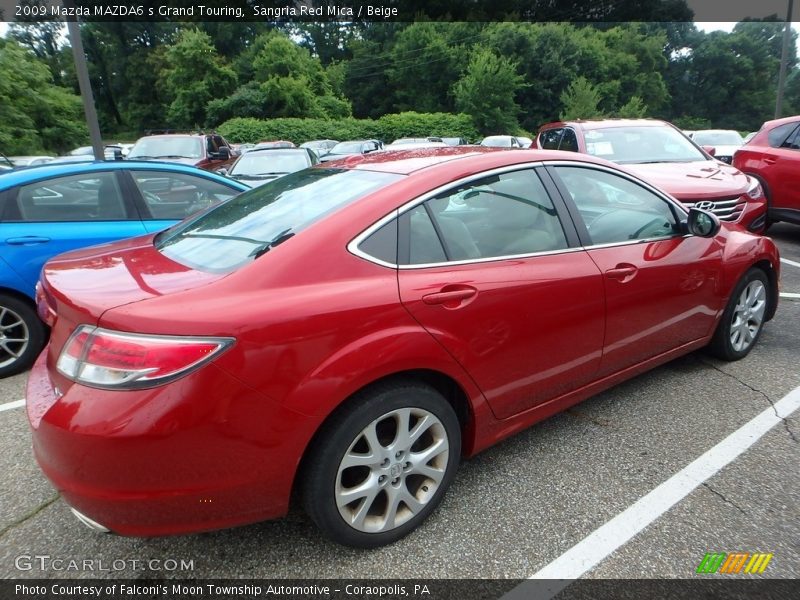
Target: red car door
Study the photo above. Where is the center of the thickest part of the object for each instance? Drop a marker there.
(489, 271)
(782, 169)
(659, 283)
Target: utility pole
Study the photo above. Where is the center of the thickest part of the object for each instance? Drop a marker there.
(787, 35)
(85, 85)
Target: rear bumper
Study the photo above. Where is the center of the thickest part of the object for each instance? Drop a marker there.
(204, 452)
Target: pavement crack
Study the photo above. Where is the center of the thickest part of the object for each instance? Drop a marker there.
(784, 420)
(724, 499)
(30, 515)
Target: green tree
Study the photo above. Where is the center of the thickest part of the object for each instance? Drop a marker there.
(287, 82)
(634, 108)
(487, 92)
(37, 115)
(195, 76)
(42, 37)
(424, 64)
(580, 101)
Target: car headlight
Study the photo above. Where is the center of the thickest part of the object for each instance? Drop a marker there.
(755, 191)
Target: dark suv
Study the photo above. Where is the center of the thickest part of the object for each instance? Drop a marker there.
(207, 151)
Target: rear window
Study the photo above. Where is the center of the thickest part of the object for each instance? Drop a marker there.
(242, 229)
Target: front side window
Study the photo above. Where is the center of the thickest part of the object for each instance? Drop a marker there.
(178, 195)
(501, 215)
(242, 229)
(549, 139)
(615, 209)
(569, 141)
(86, 197)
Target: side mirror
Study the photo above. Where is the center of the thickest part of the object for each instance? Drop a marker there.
(222, 171)
(702, 223)
(224, 153)
(710, 150)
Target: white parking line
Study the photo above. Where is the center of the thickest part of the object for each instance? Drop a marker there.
(789, 295)
(10, 405)
(598, 545)
(786, 261)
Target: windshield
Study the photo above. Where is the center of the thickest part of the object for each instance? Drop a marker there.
(347, 148)
(167, 147)
(242, 229)
(270, 163)
(639, 145)
(496, 142)
(718, 138)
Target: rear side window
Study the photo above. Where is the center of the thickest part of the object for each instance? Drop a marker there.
(793, 141)
(501, 215)
(85, 197)
(382, 244)
(178, 195)
(780, 134)
(242, 229)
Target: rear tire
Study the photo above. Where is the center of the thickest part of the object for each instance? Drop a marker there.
(382, 464)
(743, 319)
(22, 335)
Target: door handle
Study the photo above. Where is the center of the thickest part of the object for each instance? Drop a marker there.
(27, 240)
(451, 296)
(769, 160)
(622, 272)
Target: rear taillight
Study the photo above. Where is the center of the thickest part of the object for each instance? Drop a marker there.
(103, 358)
(44, 306)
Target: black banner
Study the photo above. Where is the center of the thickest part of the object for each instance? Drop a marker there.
(387, 10)
(711, 588)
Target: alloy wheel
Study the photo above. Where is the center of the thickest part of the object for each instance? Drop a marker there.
(391, 470)
(748, 315)
(14, 336)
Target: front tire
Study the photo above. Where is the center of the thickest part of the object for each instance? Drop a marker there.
(743, 319)
(22, 335)
(382, 464)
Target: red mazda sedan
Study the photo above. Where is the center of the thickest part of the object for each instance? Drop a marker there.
(351, 332)
(773, 158)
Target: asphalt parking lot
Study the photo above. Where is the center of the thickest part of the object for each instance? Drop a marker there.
(515, 508)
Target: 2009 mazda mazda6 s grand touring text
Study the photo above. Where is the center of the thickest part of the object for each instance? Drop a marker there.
(350, 332)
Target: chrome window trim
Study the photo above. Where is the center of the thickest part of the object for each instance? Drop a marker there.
(353, 248)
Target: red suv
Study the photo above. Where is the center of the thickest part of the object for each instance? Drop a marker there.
(663, 155)
(205, 151)
(772, 157)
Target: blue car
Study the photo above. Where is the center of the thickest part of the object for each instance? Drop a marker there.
(49, 209)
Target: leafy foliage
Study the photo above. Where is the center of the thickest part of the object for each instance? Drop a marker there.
(487, 92)
(580, 101)
(195, 76)
(387, 128)
(37, 115)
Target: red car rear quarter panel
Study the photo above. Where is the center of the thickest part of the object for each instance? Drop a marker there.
(208, 449)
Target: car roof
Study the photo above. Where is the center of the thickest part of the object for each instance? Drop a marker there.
(24, 175)
(406, 162)
(783, 121)
(604, 123)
